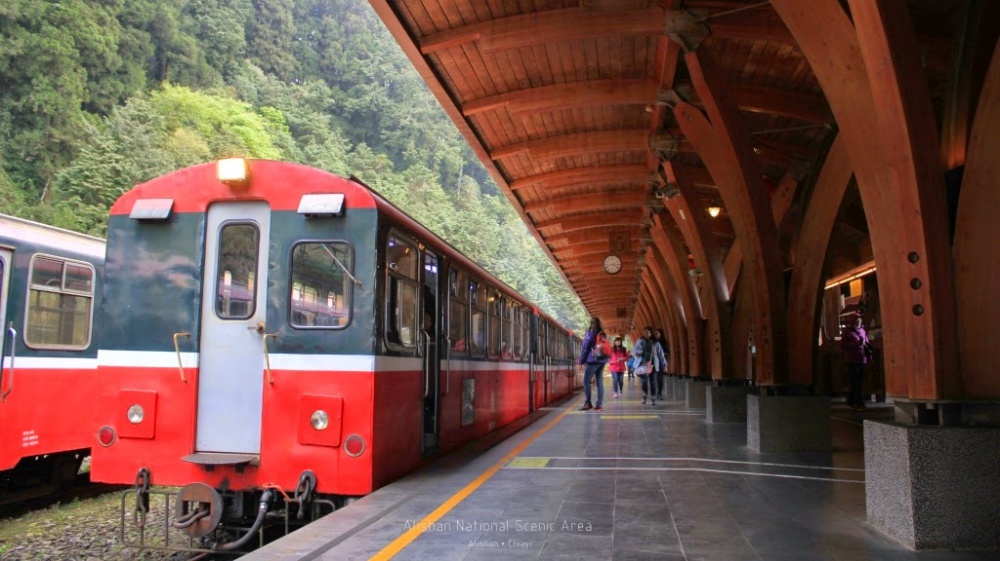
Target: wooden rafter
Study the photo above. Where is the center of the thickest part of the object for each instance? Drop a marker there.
(589, 221)
(573, 24)
(604, 200)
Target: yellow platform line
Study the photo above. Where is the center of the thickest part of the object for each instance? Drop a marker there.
(405, 539)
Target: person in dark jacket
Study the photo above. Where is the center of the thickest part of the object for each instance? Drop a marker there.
(663, 355)
(854, 344)
(594, 365)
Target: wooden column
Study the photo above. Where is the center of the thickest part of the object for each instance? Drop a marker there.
(678, 340)
(804, 295)
(873, 81)
(977, 253)
(671, 251)
(689, 213)
(747, 201)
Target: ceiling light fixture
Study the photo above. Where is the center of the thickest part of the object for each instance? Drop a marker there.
(714, 211)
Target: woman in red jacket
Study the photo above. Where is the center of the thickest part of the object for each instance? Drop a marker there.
(619, 354)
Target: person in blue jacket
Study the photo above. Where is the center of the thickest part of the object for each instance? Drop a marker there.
(594, 365)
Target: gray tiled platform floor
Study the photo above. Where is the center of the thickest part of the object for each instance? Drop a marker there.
(632, 483)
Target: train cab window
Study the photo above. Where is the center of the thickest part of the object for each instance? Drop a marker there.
(458, 315)
(321, 287)
(236, 291)
(478, 342)
(60, 304)
(494, 313)
(401, 258)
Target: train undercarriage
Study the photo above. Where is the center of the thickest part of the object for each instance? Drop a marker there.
(199, 519)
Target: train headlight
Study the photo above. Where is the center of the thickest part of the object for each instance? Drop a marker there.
(136, 414)
(319, 420)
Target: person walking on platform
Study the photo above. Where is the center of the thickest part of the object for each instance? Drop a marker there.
(662, 349)
(647, 363)
(619, 355)
(857, 353)
(594, 354)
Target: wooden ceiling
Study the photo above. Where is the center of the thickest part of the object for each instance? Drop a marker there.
(569, 104)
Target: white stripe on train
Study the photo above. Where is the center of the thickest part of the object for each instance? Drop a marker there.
(297, 362)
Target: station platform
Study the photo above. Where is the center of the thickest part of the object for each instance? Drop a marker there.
(633, 482)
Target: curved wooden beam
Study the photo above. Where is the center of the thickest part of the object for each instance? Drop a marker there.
(688, 213)
(902, 186)
(556, 97)
(592, 220)
(567, 96)
(804, 299)
(781, 200)
(688, 341)
(670, 253)
(574, 24)
(626, 140)
(746, 199)
(678, 331)
(603, 200)
(977, 255)
(636, 140)
(584, 176)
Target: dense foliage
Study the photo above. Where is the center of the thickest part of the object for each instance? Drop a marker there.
(98, 95)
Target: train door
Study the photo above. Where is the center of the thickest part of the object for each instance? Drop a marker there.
(430, 334)
(7, 339)
(532, 351)
(543, 343)
(233, 324)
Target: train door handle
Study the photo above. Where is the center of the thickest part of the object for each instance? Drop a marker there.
(177, 349)
(261, 328)
(427, 363)
(267, 355)
(447, 379)
(13, 351)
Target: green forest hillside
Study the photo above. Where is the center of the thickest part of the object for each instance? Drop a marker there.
(98, 95)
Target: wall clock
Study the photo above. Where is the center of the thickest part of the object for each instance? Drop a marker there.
(612, 264)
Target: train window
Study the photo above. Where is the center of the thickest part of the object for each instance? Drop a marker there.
(321, 289)
(458, 316)
(401, 291)
(235, 287)
(526, 334)
(401, 257)
(512, 330)
(495, 311)
(60, 304)
(478, 342)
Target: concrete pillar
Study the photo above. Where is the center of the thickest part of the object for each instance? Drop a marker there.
(726, 403)
(786, 423)
(934, 487)
(695, 392)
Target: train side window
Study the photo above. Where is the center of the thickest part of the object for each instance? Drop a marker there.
(478, 342)
(512, 329)
(458, 316)
(60, 304)
(236, 291)
(494, 313)
(401, 290)
(321, 290)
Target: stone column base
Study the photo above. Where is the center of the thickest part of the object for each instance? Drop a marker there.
(777, 423)
(679, 386)
(726, 404)
(934, 487)
(695, 392)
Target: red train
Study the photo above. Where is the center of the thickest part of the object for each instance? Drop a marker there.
(49, 279)
(267, 326)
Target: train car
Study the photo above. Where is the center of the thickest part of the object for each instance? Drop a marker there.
(49, 279)
(274, 336)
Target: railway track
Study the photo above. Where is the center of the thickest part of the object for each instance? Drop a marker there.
(81, 488)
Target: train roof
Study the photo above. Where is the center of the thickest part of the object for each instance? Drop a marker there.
(283, 184)
(13, 229)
